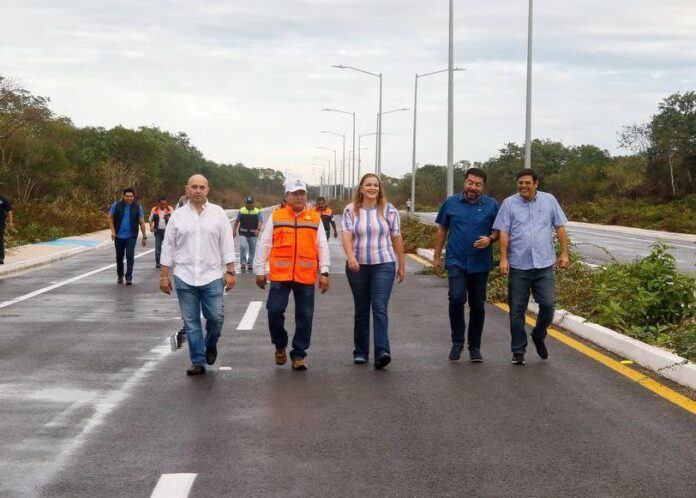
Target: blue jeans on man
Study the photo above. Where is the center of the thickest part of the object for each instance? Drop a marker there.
(371, 286)
(277, 303)
(541, 283)
(127, 247)
(465, 286)
(247, 249)
(194, 300)
(159, 238)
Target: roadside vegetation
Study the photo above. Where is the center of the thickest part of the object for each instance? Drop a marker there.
(647, 299)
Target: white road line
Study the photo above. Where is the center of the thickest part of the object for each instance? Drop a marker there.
(19, 299)
(249, 317)
(173, 486)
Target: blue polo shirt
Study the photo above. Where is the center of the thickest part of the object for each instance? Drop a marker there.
(466, 222)
(124, 231)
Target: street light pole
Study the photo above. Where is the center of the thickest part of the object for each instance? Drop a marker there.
(450, 105)
(415, 118)
(334, 152)
(359, 161)
(343, 173)
(352, 170)
(528, 123)
(379, 136)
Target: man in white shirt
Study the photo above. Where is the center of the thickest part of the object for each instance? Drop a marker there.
(197, 242)
(294, 246)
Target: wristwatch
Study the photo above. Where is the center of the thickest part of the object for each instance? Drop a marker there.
(325, 274)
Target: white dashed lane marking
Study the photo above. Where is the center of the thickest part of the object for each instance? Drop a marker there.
(173, 486)
(250, 316)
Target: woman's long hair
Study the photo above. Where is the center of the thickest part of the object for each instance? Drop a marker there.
(358, 196)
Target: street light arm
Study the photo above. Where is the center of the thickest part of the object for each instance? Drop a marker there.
(338, 110)
(341, 66)
(440, 71)
(334, 133)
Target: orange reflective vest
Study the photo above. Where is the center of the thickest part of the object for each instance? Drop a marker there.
(295, 253)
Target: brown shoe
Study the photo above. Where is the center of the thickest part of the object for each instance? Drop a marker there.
(281, 356)
(299, 364)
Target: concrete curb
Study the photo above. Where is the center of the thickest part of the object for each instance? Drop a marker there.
(665, 363)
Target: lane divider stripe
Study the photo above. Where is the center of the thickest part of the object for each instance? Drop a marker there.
(24, 297)
(636, 376)
(173, 486)
(249, 318)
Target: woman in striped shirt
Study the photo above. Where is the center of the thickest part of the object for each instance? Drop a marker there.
(373, 246)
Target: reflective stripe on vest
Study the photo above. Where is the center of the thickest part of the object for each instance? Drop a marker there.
(294, 254)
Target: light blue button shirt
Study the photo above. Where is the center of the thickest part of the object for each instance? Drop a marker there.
(530, 226)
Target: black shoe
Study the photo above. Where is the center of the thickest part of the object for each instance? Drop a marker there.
(541, 348)
(158, 265)
(456, 352)
(119, 280)
(2, 262)
(128, 282)
(518, 358)
(210, 355)
(196, 369)
(475, 356)
(359, 360)
(383, 360)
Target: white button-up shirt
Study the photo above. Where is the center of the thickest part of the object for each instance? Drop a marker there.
(198, 245)
(265, 243)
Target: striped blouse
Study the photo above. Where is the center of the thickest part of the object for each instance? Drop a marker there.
(372, 233)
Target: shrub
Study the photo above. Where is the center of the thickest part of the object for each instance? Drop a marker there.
(417, 234)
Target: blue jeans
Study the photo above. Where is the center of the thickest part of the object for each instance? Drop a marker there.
(371, 286)
(159, 238)
(462, 285)
(247, 247)
(541, 282)
(196, 299)
(127, 247)
(276, 305)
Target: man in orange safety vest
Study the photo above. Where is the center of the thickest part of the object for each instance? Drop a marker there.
(294, 247)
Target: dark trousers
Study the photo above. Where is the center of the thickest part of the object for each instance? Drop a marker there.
(276, 305)
(371, 286)
(463, 286)
(2, 244)
(541, 283)
(127, 247)
(159, 238)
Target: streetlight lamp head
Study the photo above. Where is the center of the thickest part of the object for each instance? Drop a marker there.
(339, 66)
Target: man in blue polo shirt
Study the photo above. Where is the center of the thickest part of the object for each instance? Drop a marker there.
(466, 221)
(125, 216)
(527, 221)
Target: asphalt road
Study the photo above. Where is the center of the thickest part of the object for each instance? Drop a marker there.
(598, 245)
(94, 404)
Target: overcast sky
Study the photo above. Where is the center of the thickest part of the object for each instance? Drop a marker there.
(247, 79)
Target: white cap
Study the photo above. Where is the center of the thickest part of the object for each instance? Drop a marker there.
(293, 185)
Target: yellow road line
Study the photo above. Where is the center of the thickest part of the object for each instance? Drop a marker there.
(422, 261)
(642, 379)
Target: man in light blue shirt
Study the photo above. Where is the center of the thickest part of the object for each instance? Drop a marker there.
(526, 222)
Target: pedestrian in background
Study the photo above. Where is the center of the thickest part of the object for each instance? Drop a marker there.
(373, 247)
(465, 221)
(125, 216)
(198, 243)
(159, 217)
(6, 221)
(327, 217)
(296, 251)
(526, 222)
(249, 222)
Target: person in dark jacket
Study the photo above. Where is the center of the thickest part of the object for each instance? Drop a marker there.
(249, 221)
(125, 216)
(5, 220)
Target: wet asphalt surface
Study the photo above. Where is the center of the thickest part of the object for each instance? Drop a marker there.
(94, 404)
